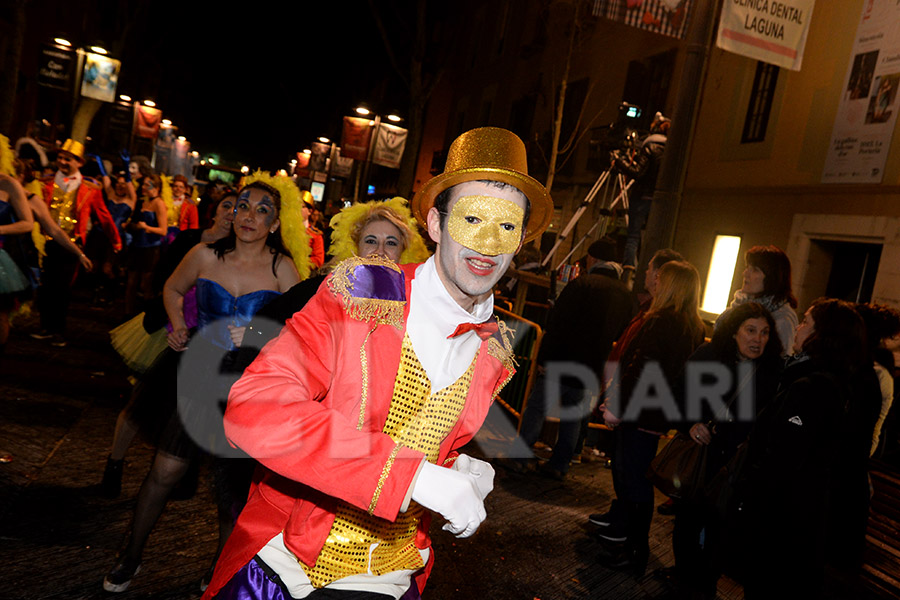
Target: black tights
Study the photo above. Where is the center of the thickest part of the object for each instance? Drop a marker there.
(231, 483)
(167, 470)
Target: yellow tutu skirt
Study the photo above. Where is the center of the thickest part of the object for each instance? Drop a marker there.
(138, 348)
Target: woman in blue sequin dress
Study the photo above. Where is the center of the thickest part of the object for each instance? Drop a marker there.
(15, 219)
(234, 278)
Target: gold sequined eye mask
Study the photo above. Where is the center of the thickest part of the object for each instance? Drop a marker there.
(487, 225)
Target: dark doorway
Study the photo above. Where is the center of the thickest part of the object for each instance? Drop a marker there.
(853, 268)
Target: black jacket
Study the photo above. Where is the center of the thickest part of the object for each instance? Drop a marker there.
(643, 168)
(590, 314)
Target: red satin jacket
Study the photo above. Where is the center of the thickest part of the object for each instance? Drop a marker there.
(297, 409)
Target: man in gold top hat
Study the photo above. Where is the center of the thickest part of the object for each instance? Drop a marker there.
(72, 199)
(357, 410)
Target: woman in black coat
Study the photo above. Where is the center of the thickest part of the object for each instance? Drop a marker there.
(806, 490)
(744, 358)
(640, 408)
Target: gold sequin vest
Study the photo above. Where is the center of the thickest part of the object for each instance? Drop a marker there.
(62, 210)
(417, 419)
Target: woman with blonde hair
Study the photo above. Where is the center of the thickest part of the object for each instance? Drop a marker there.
(384, 228)
(639, 406)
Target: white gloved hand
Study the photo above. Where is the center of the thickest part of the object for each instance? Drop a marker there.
(452, 494)
(482, 472)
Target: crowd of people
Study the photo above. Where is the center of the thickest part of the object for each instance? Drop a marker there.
(329, 374)
(790, 412)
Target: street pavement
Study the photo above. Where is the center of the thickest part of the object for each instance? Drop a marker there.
(58, 537)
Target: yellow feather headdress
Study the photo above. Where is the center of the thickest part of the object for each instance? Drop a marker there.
(293, 230)
(342, 224)
(166, 194)
(6, 157)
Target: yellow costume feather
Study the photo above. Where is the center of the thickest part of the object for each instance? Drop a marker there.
(166, 194)
(6, 157)
(342, 246)
(293, 230)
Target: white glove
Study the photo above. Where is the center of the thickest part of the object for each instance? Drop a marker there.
(482, 472)
(452, 494)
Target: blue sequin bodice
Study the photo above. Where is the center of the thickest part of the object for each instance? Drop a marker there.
(217, 309)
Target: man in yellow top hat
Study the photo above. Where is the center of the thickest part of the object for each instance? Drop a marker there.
(72, 199)
(358, 409)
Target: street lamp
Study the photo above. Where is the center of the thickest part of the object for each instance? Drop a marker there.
(364, 111)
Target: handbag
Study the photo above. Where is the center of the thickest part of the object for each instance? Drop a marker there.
(679, 469)
(720, 494)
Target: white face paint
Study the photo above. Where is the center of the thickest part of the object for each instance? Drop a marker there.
(469, 275)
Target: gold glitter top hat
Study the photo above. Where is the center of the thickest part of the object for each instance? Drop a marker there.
(492, 154)
(307, 198)
(74, 148)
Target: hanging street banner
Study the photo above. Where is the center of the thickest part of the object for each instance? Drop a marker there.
(389, 146)
(318, 159)
(668, 17)
(55, 67)
(767, 30)
(355, 137)
(101, 75)
(146, 121)
(864, 124)
(301, 169)
(341, 166)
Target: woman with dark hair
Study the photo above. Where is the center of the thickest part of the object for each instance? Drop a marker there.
(746, 351)
(147, 227)
(882, 324)
(650, 363)
(767, 281)
(805, 491)
(234, 277)
(142, 344)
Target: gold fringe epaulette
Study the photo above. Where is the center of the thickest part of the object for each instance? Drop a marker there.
(91, 183)
(502, 348)
(372, 289)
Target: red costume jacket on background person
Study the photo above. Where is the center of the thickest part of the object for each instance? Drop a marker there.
(317, 243)
(311, 409)
(189, 216)
(88, 198)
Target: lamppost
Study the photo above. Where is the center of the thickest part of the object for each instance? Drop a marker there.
(375, 124)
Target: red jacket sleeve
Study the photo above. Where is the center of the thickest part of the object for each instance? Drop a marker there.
(284, 412)
(106, 220)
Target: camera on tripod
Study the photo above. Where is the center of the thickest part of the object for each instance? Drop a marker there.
(620, 136)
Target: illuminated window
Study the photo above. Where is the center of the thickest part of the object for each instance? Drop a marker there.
(721, 273)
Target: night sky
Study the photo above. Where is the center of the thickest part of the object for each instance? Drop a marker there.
(260, 83)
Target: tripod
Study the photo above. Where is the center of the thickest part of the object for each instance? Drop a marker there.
(609, 189)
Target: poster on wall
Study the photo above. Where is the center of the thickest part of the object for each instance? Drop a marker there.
(771, 31)
(867, 112)
(101, 75)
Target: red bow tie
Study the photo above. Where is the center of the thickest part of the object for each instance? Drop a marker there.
(484, 330)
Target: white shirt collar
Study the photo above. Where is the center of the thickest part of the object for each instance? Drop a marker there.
(67, 183)
(434, 315)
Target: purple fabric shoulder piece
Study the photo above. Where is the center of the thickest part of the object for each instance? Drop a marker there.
(377, 282)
